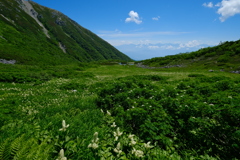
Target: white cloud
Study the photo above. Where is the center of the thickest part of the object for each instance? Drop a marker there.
(218, 4)
(153, 47)
(156, 18)
(228, 8)
(134, 17)
(209, 5)
(189, 44)
(170, 47)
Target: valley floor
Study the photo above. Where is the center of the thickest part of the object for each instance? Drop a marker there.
(119, 112)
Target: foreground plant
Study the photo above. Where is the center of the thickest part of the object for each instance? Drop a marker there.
(95, 141)
(64, 126)
(61, 155)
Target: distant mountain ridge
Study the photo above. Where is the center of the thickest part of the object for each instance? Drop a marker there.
(224, 57)
(34, 34)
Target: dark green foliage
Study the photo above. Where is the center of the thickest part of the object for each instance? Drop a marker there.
(223, 58)
(18, 77)
(200, 114)
(39, 74)
(195, 75)
(73, 86)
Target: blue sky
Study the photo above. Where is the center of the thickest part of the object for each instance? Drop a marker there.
(144, 29)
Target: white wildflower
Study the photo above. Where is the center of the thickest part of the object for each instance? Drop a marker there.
(230, 97)
(64, 126)
(137, 153)
(95, 137)
(117, 134)
(108, 113)
(131, 136)
(118, 149)
(94, 143)
(61, 155)
(102, 111)
(113, 125)
(147, 145)
(133, 142)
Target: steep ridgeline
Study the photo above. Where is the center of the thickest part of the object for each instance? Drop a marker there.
(34, 34)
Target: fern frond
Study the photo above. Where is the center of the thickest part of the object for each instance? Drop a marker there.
(15, 145)
(5, 153)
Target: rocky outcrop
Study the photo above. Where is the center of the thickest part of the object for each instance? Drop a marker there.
(28, 8)
(59, 21)
(147, 67)
(4, 61)
(62, 46)
(237, 72)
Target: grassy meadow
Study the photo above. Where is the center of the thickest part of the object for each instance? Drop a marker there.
(118, 112)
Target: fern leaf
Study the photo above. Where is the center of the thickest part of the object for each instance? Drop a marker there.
(5, 153)
(15, 145)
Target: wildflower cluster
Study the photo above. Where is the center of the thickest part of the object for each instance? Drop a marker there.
(95, 141)
(118, 149)
(64, 126)
(61, 155)
(117, 134)
(137, 153)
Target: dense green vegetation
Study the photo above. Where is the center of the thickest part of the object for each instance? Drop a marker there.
(91, 111)
(23, 39)
(225, 56)
(54, 106)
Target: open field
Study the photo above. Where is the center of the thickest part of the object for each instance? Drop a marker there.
(119, 112)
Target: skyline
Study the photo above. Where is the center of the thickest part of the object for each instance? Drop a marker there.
(155, 28)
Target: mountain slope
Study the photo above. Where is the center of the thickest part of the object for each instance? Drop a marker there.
(34, 34)
(225, 56)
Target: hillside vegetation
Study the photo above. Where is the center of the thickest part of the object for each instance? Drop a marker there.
(41, 35)
(93, 111)
(225, 56)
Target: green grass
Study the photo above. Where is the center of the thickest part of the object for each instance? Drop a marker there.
(32, 113)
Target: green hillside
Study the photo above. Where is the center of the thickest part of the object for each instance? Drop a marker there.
(225, 56)
(33, 34)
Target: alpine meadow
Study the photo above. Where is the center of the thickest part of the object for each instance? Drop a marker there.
(67, 94)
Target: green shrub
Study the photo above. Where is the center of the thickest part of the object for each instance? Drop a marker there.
(196, 75)
(223, 58)
(210, 54)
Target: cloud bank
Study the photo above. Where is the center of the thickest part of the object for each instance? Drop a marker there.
(134, 17)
